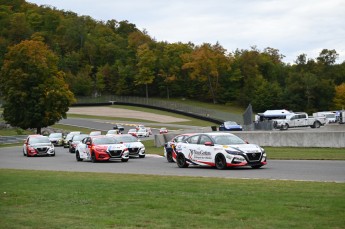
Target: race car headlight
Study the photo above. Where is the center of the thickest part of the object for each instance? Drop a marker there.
(233, 152)
(100, 149)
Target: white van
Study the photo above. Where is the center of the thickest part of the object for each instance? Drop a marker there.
(330, 116)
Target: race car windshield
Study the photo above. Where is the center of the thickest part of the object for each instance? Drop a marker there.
(55, 135)
(230, 123)
(39, 140)
(227, 140)
(79, 137)
(126, 139)
(104, 141)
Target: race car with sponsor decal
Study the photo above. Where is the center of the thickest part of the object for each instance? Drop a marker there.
(220, 150)
(135, 147)
(101, 148)
(169, 147)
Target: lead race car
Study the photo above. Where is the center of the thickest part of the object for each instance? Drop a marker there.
(220, 150)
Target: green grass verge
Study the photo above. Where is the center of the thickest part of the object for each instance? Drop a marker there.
(41, 199)
(15, 131)
(302, 153)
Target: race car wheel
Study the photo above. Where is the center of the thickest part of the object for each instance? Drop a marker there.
(77, 156)
(24, 153)
(141, 156)
(220, 161)
(124, 160)
(93, 158)
(181, 161)
(169, 157)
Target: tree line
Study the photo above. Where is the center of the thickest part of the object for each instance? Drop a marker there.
(115, 57)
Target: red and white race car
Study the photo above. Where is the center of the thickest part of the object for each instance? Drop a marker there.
(101, 148)
(220, 150)
(38, 145)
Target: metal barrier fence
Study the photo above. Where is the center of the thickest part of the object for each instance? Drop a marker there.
(163, 104)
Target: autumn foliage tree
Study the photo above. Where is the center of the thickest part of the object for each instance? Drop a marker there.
(339, 98)
(34, 91)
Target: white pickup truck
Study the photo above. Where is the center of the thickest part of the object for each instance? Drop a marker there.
(299, 120)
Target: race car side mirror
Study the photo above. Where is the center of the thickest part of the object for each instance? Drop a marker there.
(209, 144)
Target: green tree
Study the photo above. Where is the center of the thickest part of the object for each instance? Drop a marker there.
(34, 91)
(146, 64)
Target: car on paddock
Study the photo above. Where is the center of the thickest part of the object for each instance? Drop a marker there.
(38, 145)
(230, 126)
(56, 138)
(132, 132)
(101, 148)
(135, 147)
(76, 139)
(68, 138)
(163, 130)
(220, 150)
(143, 132)
(169, 147)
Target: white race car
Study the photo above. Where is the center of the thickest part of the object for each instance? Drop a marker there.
(135, 147)
(221, 150)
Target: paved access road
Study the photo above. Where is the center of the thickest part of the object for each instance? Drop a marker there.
(329, 171)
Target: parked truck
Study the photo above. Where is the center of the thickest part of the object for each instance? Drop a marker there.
(299, 119)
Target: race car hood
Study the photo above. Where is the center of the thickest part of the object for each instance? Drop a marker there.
(244, 148)
(133, 144)
(114, 147)
(41, 145)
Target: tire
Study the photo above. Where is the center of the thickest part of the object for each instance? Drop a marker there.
(77, 156)
(124, 160)
(220, 161)
(181, 161)
(317, 124)
(93, 158)
(169, 157)
(256, 166)
(141, 156)
(24, 153)
(285, 127)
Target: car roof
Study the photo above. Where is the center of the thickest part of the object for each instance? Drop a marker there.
(35, 135)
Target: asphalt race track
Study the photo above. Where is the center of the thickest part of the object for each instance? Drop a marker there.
(304, 170)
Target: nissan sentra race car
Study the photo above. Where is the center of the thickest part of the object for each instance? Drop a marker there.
(38, 145)
(134, 146)
(220, 150)
(101, 148)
